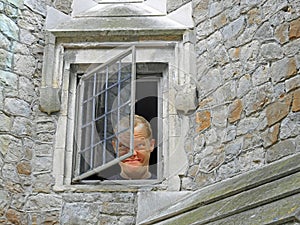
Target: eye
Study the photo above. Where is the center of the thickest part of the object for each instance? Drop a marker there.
(141, 146)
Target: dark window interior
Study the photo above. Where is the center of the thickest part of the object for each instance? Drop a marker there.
(146, 105)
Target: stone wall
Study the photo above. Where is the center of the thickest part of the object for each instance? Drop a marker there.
(27, 135)
(248, 80)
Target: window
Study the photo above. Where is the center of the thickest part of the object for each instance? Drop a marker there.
(93, 33)
(86, 74)
(105, 95)
(116, 89)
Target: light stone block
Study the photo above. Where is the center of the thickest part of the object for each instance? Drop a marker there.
(150, 202)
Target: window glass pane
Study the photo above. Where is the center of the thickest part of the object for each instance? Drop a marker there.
(88, 88)
(106, 98)
(86, 133)
(87, 112)
(125, 71)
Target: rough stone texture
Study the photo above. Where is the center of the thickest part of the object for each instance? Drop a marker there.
(235, 111)
(294, 29)
(247, 79)
(203, 119)
(296, 101)
(277, 111)
(263, 69)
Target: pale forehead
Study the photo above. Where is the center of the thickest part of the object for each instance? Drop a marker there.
(140, 132)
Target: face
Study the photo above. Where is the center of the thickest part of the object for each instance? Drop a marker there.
(136, 165)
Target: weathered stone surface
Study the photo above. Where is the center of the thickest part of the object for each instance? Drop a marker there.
(219, 117)
(233, 148)
(5, 122)
(211, 158)
(291, 48)
(277, 111)
(38, 6)
(215, 8)
(4, 200)
(254, 16)
(9, 173)
(225, 93)
(4, 42)
(27, 90)
(8, 27)
(18, 3)
(257, 98)
(296, 101)
(279, 70)
(203, 119)
(292, 83)
(270, 136)
(247, 125)
(10, 81)
(22, 126)
(290, 126)
(24, 168)
(148, 202)
(42, 164)
(292, 67)
(235, 110)
(43, 183)
(246, 190)
(5, 59)
(11, 147)
(24, 65)
(220, 21)
(261, 75)
(281, 33)
(279, 150)
(81, 213)
(247, 52)
(264, 32)
(271, 51)
(294, 29)
(234, 28)
(244, 85)
(200, 10)
(185, 99)
(26, 37)
(252, 159)
(17, 107)
(211, 81)
(37, 203)
(13, 216)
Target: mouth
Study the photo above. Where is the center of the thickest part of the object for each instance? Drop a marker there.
(132, 161)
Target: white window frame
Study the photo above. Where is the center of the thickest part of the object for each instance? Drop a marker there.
(166, 52)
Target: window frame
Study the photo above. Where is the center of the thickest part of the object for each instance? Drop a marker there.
(159, 51)
(81, 86)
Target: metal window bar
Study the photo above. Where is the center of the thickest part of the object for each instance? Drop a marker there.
(79, 175)
(105, 117)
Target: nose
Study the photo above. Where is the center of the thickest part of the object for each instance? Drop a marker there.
(134, 152)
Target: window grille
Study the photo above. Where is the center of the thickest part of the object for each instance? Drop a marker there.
(105, 96)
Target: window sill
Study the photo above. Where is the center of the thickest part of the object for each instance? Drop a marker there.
(113, 186)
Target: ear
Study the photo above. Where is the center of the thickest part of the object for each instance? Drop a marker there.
(152, 144)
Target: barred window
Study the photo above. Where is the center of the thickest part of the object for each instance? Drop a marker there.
(105, 95)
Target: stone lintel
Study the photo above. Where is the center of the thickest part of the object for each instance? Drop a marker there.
(273, 176)
(92, 37)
